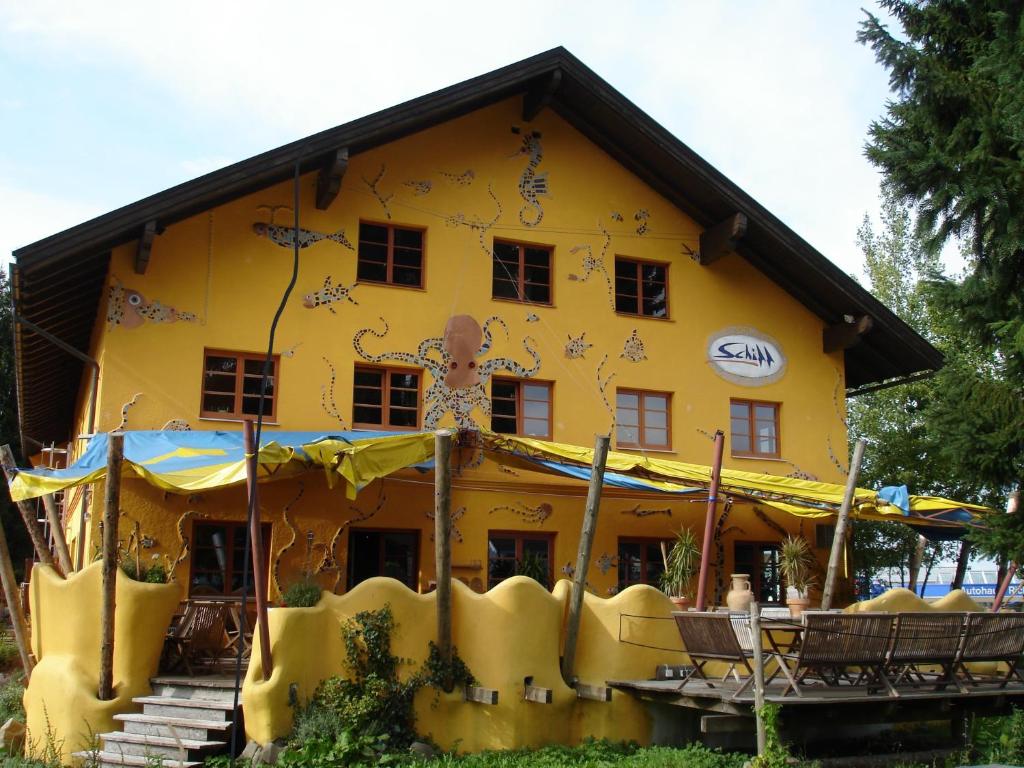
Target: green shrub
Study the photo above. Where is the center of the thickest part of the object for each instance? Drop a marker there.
(11, 692)
(301, 594)
(154, 574)
(1000, 740)
(9, 656)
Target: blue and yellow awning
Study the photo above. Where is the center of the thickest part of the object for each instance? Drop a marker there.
(187, 462)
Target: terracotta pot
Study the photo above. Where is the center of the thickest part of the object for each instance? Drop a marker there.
(681, 603)
(797, 605)
(739, 596)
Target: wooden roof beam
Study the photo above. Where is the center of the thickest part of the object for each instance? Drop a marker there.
(846, 334)
(328, 180)
(145, 247)
(540, 94)
(721, 239)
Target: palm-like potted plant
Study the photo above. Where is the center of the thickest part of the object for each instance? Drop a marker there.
(681, 565)
(796, 561)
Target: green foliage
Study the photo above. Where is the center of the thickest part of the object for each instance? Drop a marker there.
(682, 563)
(797, 563)
(1000, 740)
(436, 672)
(535, 567)
(598, 754)
(775, 753)
(344, 750)
(301, 594)
(9, 655)
(153, 574)
(11, 692)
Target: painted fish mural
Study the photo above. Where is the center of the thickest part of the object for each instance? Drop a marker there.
(285, 236)
(129, 309)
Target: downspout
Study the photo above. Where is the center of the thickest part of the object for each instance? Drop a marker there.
(90, 421)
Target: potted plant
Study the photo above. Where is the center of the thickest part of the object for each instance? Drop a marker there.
(535, 567)
(796, 561)
(681, 565)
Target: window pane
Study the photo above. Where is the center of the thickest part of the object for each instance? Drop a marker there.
(624, 434)
(221, 364)
(656, 419)
(402, 418)
(405, 380)
(538, 547)
(504, 408)
(372, 271)
(653, 274)
(627, 286)
(373, 252)
(658, 437)
(407, 258)
(539, 293)
(405, 276)
(367, 396)
(505, 289)
(627, 304)
(764, 412)
(251, 385)
(535, 410)
(503, 424)
(655, 403)
(536, 392)
(251, 405)
(255, 367)
(655, 304)
(408, 238)
(219, 382)
(740, 443)
(739, 410)
(537, 257)
(539, 275)
(535, 427)
(627, 400)
(366, 415)
(369, 378)
(625, 268)
(373, 232)
(507, 252)
(407, 398)
(219, 403)
(740, 427)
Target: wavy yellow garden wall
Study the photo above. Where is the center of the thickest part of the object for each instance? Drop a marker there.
(60, 702)
(505, 635)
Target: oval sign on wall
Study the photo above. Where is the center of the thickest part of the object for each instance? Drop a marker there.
(746, 356)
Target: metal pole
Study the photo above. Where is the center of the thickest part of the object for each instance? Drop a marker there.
(755, 647)
(579, 576)
(839, 538)
(709, 522)
(256, 535)
(443, 547)
(111, 515)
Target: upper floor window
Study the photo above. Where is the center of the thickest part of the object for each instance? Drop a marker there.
(754, 428)
(642, 419)
(231, 385)
(390, 254)
(521, 272)
(386, 397)
(521, 407)
(641, 287)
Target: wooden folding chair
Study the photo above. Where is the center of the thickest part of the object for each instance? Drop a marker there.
(992, 637)
(926, 639)
(711, 637)
(201, 634)
(832, 644)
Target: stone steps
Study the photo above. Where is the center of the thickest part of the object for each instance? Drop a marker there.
(184, 721)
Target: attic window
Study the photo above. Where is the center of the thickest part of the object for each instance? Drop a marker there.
(231, 385)
(391, 255)
(521, 272)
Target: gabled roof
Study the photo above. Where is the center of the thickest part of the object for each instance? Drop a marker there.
(58, 280)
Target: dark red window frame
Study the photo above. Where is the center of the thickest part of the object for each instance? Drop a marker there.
(391, 249)
(245, 386)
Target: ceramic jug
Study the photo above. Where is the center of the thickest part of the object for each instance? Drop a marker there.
(739, 596)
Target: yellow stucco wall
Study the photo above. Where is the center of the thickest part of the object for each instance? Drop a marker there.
(61, 704)
(503, 636)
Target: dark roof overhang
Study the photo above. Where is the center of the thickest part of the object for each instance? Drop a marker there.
(890, 350)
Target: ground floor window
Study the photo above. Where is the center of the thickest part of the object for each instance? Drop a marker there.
(761, 561)
(640, 562)
(374, 552)
(218, 558)
(516, 553)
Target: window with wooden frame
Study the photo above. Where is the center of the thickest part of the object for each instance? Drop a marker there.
(387, 398)
(640, 561)
(643, 419)
(520, 553)
(380, 552)
(754, 429)
(521, 272)
(641, 287)
(761, 562)
(521, 407)
(390, 254)
(218, 557)
(231, 385)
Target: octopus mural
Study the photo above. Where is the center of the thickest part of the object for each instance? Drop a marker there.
(459, 377)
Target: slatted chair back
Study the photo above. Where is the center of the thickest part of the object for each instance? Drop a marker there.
(708, 635)
(926, 638)
(993, 637)
(844, 639)
(206, 630)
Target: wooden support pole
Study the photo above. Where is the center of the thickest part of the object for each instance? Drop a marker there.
(111, 515)
(579, 576)
(709, 520)
(839, 538)
(755, 648)
(57, 533)
(13, 598)
(28, 515)
(256, 536)
(443, 548)
(1012, 508)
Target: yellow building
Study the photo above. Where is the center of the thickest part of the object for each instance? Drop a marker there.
(593, 273)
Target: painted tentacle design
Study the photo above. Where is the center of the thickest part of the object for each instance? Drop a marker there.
(602, 388)
(593, 263)
(537, 514)
(291, 543)
(770, 523)
(327, 401)
(331, 563)
(183, 544)
(176, 425)
(124, 411)
(454, 517)
(374, 186)
(532, 185)
(720, 552)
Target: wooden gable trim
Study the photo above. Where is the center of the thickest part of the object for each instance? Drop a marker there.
(721, 239)
(540, 94)
(145, 247)
(329, 178)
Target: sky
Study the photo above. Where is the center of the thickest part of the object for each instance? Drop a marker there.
(107, 102)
